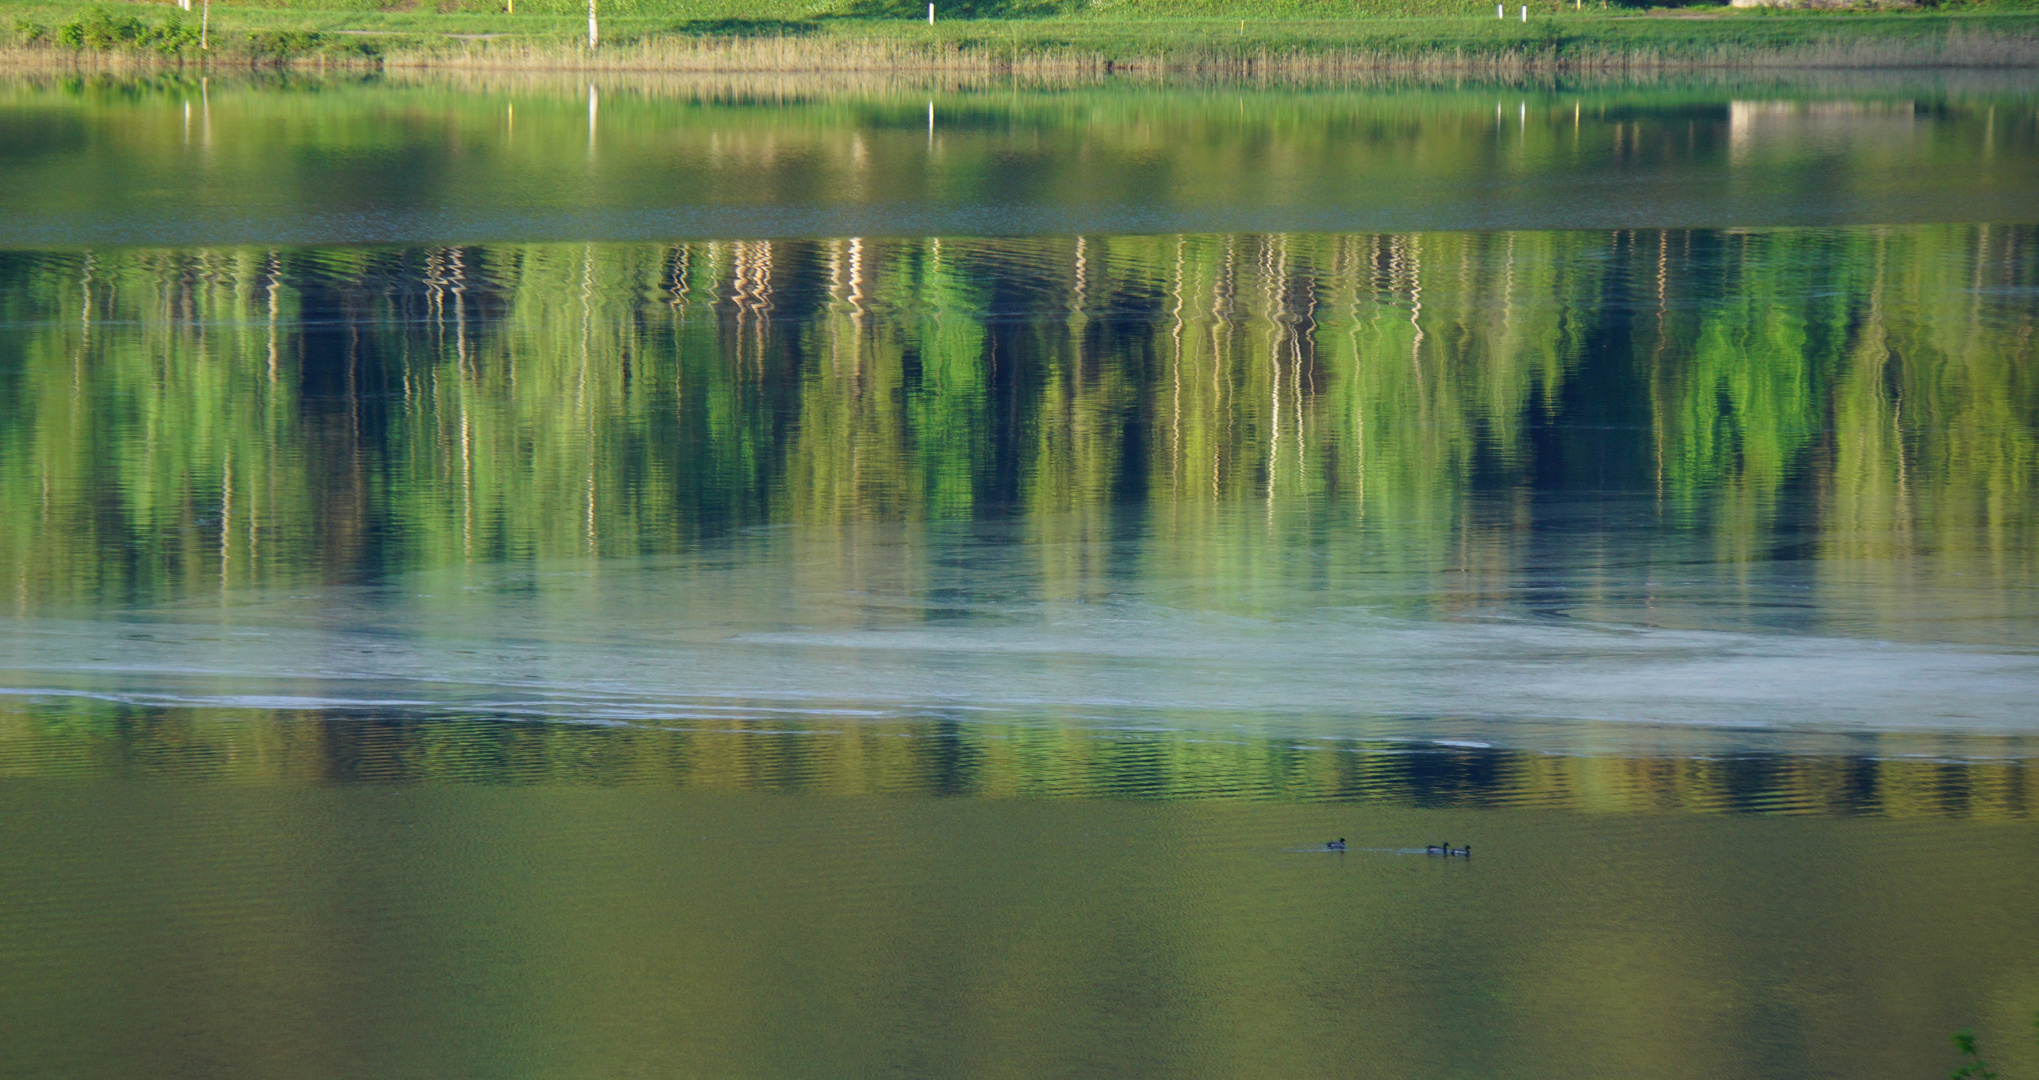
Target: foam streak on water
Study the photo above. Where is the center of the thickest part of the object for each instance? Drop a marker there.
(652, 643)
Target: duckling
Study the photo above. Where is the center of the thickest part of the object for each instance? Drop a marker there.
(1336, 845)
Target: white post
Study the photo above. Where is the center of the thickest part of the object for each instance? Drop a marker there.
(930, 14)
(1500, 11)
(593, 36)
(1525, 13)
(205, 27)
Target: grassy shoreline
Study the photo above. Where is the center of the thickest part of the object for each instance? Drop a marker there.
(1557, 40)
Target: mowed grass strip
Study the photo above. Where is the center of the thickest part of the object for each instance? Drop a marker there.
(1122, 34)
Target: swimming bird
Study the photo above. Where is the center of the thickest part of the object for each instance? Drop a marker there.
(1435, 850)
(1465, 852)
(1336, 845)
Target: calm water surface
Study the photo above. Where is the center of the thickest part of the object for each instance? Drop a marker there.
(533, 580)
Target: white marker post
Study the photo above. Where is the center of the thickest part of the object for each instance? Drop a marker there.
(930, 14)
(593, 37)
(1500, 11)
(1525, 13)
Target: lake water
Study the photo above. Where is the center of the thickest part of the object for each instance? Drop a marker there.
(783, 579)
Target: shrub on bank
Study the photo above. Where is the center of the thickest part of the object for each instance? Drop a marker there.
(100, 30)
(282, 44)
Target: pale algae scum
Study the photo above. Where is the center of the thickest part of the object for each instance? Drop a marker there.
(516, 577)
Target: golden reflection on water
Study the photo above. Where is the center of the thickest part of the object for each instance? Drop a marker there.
(1892, 775)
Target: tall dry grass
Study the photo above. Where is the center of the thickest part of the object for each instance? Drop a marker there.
(1044, 62)
(1966, 50)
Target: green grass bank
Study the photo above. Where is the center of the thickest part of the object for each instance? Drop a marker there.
(1049, 37)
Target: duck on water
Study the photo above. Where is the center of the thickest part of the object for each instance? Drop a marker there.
(1445, 848)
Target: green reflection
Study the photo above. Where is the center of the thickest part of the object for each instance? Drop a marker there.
(188, 162)
(1267, 408)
